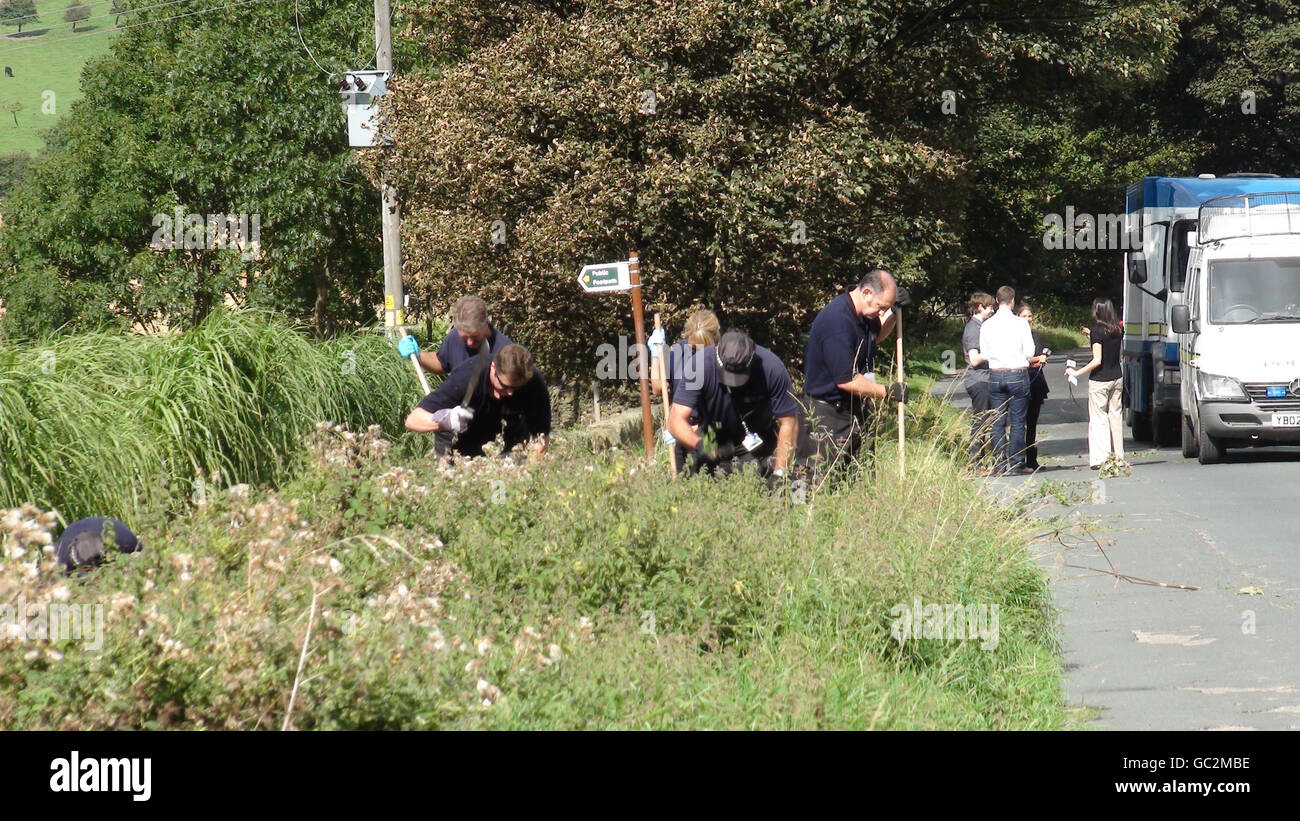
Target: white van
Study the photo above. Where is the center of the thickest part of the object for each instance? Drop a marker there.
(1239, 326)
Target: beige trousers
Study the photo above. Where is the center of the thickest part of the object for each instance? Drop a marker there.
(1105, 424)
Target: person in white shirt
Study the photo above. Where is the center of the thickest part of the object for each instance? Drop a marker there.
(1007, 344)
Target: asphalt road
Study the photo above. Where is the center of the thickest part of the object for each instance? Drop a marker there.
(1144, 657)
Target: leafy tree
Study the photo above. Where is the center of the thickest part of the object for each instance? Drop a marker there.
(119, 8)
(213, 115)
(1225, 103)
(13, 168)
(13, 107)
(1232, 87)
(758, 153)
(75, 13)
(18, 13)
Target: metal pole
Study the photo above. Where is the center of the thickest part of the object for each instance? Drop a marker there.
(391, 211)
(643, 376)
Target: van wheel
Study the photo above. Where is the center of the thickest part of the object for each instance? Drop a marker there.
(1210, 448)
(1190, 447)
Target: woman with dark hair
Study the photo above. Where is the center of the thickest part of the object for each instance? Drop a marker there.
(1105, 385)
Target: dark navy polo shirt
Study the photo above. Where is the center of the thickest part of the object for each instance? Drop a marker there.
(93, 527)
(454, 352)
(524, 414)
(765, 397)
(840, 345)
(680, 367)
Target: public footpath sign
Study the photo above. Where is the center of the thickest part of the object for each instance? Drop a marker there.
(606, 276)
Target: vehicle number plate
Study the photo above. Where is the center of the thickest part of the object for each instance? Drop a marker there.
(1286, 420)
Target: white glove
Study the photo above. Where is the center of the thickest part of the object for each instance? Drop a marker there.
(459, 418)
(455, 419)
(668, 438)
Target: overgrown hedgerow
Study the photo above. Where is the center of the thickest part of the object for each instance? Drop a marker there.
(580, 591)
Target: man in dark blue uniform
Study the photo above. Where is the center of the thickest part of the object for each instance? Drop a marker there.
(85, 542)
(747, 412)
(837, 367)
(470, 329)
(507, 397)
(470, 332)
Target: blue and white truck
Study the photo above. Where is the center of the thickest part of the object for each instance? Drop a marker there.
(1161, 221)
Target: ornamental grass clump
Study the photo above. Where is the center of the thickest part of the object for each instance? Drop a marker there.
(109, 424)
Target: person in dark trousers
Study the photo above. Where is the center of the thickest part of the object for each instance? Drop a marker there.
(1007, 344)
(976, 381)
(1037, 388)
(86, 542)
(746, 407)
(507, 397)
(838, 380)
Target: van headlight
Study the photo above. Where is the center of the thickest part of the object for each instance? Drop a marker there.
(1215, 388)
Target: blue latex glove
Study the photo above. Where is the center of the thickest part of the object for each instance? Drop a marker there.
(656, 339)
(407, 347)
(668, 438)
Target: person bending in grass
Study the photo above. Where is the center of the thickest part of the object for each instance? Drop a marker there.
(507, 397)
(470, 329)
(471, 332)
(745, 407)
(85, 543)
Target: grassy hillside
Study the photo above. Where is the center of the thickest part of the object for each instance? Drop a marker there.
(47, 56)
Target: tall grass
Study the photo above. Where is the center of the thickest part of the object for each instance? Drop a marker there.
(104, 424)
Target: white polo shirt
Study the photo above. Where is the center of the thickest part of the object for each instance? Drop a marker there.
(1005, 340)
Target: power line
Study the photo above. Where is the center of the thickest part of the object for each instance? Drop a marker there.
(124, 28)
(298, 24)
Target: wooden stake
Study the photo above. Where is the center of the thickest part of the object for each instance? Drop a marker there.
(898, 361)
(663, 388)
(643, 373)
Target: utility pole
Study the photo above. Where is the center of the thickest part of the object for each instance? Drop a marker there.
(394, 297)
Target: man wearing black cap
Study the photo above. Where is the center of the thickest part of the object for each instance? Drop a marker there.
(837, 365)
(85, 541)
(747, 412)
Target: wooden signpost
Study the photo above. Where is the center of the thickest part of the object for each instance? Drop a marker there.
(626, 276)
